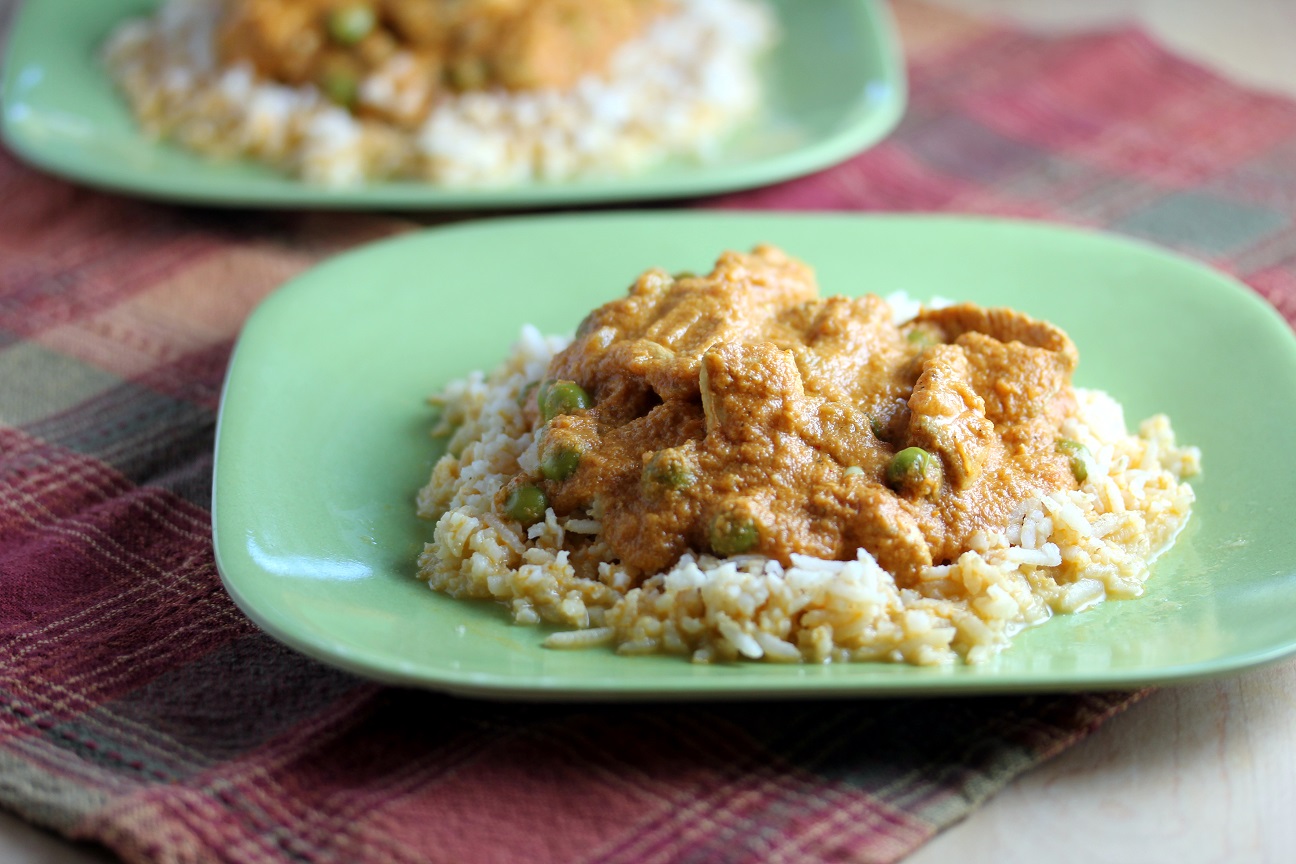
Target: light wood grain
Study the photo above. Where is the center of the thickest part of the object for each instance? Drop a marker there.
(1199, 773)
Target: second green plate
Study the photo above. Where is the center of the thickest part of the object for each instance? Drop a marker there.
(834, 84)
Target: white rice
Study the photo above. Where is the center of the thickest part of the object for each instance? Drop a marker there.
(674, 91)
(1063, 552)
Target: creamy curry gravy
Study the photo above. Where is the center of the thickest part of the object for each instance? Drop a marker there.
(451, 45)
(739, 412)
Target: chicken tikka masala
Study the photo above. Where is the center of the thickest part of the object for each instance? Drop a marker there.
(738, 412)
(729, 465)
(459, 93)
(450, 45)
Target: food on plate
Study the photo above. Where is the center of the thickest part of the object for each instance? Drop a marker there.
(454, 92)
(729, 465)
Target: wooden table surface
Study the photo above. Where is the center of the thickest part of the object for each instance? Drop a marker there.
(1198, 773)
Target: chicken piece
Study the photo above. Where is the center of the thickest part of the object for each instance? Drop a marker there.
(556, 42)
(1006, 325)
(661, 330)
(890, 534)
(425, 24)
(281, 39)
(1017, 381)
(948, 416)
(848, 350)
(750, 390)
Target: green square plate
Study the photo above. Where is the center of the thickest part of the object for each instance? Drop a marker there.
(834, 84)
(323, 443)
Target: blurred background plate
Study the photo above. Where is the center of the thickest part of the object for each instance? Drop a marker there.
(834, 86)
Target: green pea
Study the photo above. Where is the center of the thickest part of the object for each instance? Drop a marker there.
(854, 471)
(562, 397)
(913, 469)
(526, 392)
(733, 534)
(526, 504)
(921, 337)
(1071, 448)
(469, 73)
(1077, 452)
(669, 469)
(340, 85)
(877, 426)
(560, 462)
(349, 24)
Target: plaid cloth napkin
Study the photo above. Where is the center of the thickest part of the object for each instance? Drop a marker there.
(140, 710)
